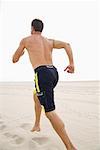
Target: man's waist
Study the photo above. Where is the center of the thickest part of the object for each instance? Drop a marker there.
(50, 66)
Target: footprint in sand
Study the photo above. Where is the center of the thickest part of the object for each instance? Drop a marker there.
(17, 139)
(7, 134)
(2, 125)
(40, 140)
(14, 139)
(25, 126)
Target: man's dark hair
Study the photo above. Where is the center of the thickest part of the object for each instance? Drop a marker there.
(37, 24)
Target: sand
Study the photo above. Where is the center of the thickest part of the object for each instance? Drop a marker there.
(77, 103)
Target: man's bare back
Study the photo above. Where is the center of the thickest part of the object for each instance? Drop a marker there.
(39, 49)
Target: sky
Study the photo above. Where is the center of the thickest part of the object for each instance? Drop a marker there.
(73, 21)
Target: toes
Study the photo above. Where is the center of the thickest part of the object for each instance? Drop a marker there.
(35, 129)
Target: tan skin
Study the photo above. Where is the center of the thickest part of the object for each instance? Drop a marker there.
(40, 53)
(40, 50)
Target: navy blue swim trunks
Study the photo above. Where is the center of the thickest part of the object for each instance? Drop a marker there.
(46, 78)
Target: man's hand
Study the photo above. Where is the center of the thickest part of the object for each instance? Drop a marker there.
(69, 68)
(67, 47)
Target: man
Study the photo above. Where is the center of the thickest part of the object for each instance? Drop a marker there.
(46, 76)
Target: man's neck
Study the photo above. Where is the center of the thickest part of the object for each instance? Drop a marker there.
(36, 32)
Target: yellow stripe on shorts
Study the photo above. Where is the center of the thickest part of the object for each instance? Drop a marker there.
(34, 91)
(36, 82)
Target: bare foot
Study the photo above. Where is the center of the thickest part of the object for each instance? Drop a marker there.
(72, 148)
(35, 128)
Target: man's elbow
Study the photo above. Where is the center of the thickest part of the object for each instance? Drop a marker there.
(14, 60)
(67, 46)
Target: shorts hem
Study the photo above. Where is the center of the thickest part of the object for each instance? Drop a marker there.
(49, 110)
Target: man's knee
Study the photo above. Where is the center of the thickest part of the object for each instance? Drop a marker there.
(53, 116)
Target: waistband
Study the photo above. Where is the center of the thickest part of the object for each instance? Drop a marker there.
(44, 66)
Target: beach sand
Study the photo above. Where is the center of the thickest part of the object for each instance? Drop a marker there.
(77, 103)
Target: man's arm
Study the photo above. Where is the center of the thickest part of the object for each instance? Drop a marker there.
(67, 47)
(19, 52)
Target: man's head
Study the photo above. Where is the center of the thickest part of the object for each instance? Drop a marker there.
(36, 26)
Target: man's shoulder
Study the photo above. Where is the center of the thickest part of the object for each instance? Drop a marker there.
(25, 39)
(49, 40)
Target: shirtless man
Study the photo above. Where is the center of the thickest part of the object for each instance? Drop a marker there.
(46, 76)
